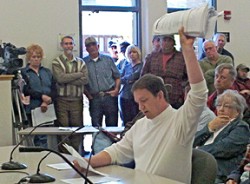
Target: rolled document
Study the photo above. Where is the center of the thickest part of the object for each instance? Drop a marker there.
(197, 22)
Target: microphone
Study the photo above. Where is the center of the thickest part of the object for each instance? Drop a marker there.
(45, 178)
(11, 165)
(100, 130)
(39, 149)
(91, 153)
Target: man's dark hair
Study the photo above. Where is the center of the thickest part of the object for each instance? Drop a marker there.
(123, 46)
(151, 83)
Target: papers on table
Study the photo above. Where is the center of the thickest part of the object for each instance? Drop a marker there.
(39, 117)
(94, 179)
(60, 166)
(82, 162)
(86, 129)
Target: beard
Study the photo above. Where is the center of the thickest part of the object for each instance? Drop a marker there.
(168, 50)
(243, 77)
(68, 52)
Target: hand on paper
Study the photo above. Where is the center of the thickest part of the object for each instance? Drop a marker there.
(76, 164)
(44, 107)
(46, 99)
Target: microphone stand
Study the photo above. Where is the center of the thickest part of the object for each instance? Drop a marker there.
(38, 149)
(11, 165)
(45, 178)
(91, 153)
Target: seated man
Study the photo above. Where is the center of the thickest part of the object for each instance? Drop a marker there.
(210, 62)
(161, 142)
(242, 84)
(227, 135)
(224, 78)
(220, 42)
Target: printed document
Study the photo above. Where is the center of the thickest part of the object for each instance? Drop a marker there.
(39, 117)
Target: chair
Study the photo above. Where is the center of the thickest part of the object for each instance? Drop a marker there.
(102, 139)
(204, 167)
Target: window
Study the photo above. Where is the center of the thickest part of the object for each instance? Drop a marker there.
(116, 20)
(118, 3)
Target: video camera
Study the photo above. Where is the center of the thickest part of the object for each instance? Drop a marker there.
(11, 63)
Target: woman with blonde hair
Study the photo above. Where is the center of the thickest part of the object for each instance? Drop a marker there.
(128, 108)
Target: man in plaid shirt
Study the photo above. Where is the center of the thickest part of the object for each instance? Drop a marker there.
(169, 64)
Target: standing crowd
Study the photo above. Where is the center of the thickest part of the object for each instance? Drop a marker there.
(206, 106)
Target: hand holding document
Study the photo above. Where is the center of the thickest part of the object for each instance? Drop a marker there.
(39, 117)
(82, 162)
(100, 178)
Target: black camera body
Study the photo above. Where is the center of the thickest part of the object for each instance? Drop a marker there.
(11, 62)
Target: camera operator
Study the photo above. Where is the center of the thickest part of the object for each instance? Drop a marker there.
(39, 85)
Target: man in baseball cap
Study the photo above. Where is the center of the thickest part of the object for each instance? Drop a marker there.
(156, 42)
(243, 68)
(112, 48)
(169, 64)
(242, 84)
(103, 87)
(90, 40)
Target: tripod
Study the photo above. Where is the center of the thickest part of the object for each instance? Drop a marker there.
(18, 111)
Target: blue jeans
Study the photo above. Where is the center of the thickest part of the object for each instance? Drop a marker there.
(41, 141)
(129, 109)
(38, 140)
(104, 106)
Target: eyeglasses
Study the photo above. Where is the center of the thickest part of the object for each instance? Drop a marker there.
(225, 106)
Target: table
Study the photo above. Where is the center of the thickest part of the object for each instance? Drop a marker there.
(67, 130)
(126, 176)
(53, 132)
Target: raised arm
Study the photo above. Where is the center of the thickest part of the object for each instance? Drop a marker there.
(194, 72)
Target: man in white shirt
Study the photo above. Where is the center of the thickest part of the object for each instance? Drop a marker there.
(161, 142)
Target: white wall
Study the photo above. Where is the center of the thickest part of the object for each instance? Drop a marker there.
(238, 26)
(24, 22)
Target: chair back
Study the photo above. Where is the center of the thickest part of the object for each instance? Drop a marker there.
(204, 167)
